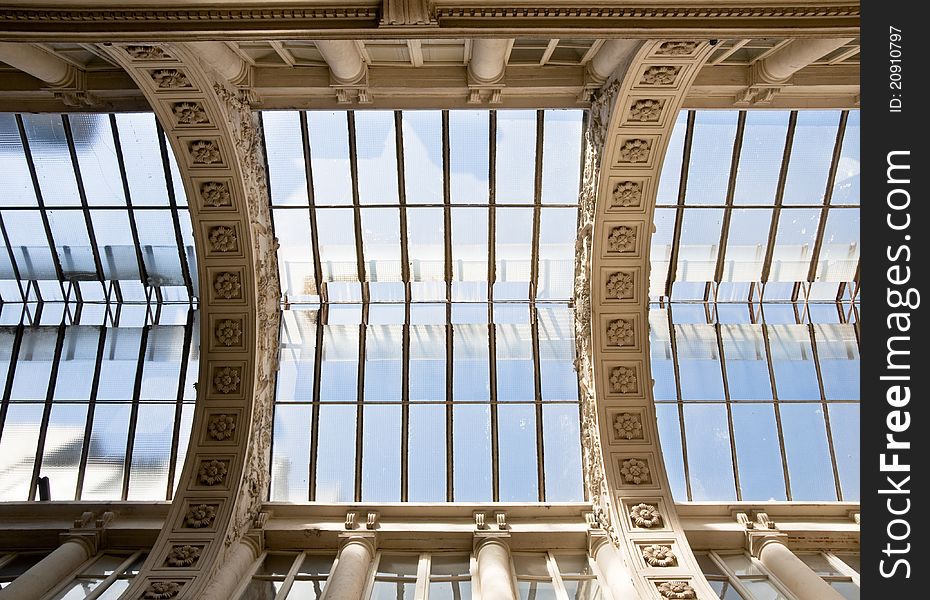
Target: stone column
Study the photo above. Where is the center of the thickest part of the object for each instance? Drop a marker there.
(51, 570)
(487, 60)
(800, 579)
(791, 58)
(223, 59)
(344, 60)
(37, 62)
(616, 575)
(235, 568)
(611, 55)
(348, 579)
(494, 572)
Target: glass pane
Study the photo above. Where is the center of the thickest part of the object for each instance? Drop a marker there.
(423, 156)
(844, 424)
(556, 269)
(470, 377)
(287, 177)
(115, 244)
(725, 590)
(383, 363)
(699, 362)
(514, 345)
(747, 242)
(846, 182)
(425, 244)
(811, 155)
(377, 157)
(381, 454)
(794, 244)
(306, 590)
(291, 453)
(261, 590)
(669, 181)
(558, 378)
(573, 564)
(159, 247)
(809, 468)
(741, 564)
(17, 180)
(472, 453)
(709, 459)
(446, 565)
(335, 478)
(661, 250)
(34, 364)
(393, 590)
(120, 358)
(427, 375)
(46, 136)
(114, 590)
(793, 362)
(533, 565)
(162, 365)
(470, 253)
(517, 453)
(450, 590)
(29, 244)
(583, 589)
(295, 253)
(278, 563)
(96, 154)
(761, 474)
(297, 355)
(145, 171)
(711, 155)
(838, 354)
(18, 450)
(77, 590)
(516, 156)
(561, 176)
(762, 590)
(103, 479)
(669, 425)
(426, 459)
(329, 147)
(337, 244)
(64, 439)
(72, 244)
(847, 589)
(761, 156)
(318, 565)
(468, 156)
(536, 590)
(514, 236)
(148, 475)
(561, 440)
(398, 565)
(339, 370)
(850, 559)
(839, 253)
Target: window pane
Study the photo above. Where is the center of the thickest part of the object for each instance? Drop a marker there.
(809, 467)
(18, 450)
(335, 478)
(669, 426)
(291, 453)
(148, 476)
(381, 454)
(761, 476)
(794, 244)
(107, 454)
(793, 362)
(516, 156)
(46, 136)
(472, 453)
(561, 143)
(426, 459)
(517, 453)
(709, 460)
(64, 439)
(17, 180)
(844, 424)
(747, 242)
(329, 147)
(145, 171)
(811, 155)
(287, 178)
(671, 167)
(839, 254)
(423, 156)
(846, 183)
(468, 156)
(699, 362)
(761, 156)
(711, 155)
(561, 440)
(746, 362)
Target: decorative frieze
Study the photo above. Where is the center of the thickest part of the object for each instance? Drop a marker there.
(658, 555)
(635, 471)
(623, 380)
(619, 285)
(200, 516)
(189, 113)
(629, 426)
(645, 516)
(170, 79)
(183, 556)
(635, 150)
(227, 380)
(212, 472)
(620, 333)
(626, 194)
(222, 426)
(677, 48)
(676, 590)
(664, 75)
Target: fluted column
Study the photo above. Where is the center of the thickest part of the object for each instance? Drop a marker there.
(494, 572)
(800, 579)
(791, 58)
(51, 570)
(616, 575)
(348, 579)
(37, 62)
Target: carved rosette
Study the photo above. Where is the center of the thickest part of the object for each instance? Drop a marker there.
(629, 426)
(635, 151)
(676, 590)
(620, 333)
(170, 79)
(620, 285)
(222, 427)
(623, 380)
(190, 113)
(226, 380)
(657, 555)
(227, 285)
(215, 194)
(622, 239)
(645, 516)
(635, 471)
(200, 516)
(660, 75)
(162, 590)
(223, 238)
(146, 52)
(212, 472)
(646, 110)
(627, 194)
(677, 48)
(228, 332)
(205, 152)
(183, 556)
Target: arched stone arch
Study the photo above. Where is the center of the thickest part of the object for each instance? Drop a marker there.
(630, 124)
(216, 139)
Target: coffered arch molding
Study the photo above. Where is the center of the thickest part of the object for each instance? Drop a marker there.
(628, 132)
(216, 139)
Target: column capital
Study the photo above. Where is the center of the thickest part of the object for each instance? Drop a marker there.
(596, 540)
(369, 539)
(486, 538)
(91, 540)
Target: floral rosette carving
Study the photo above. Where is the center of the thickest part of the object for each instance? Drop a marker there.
(227, 285)
(212, 472)
(628, 426)
(161, 590)
(142, 52)
(170, 78)
(621, 239)
(657, 555)
(676, 48)
(189, 113)
(623, 380)
(183, 556)
(635, 151)
(646, 516)
(676, 590)
(222, 427)
(620, 332)
(660, 75)
(229, 332)
(223, 239)
(227, 380)
(646, 110)
(205, 152)
(627, 193)
(216, 194)
(200, 516)
(620, 285)
(635, 471)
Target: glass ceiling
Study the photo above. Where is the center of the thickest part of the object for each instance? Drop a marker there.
(754, 338)
(427, 263)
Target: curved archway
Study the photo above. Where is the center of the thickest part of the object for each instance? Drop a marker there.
(631, 122)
